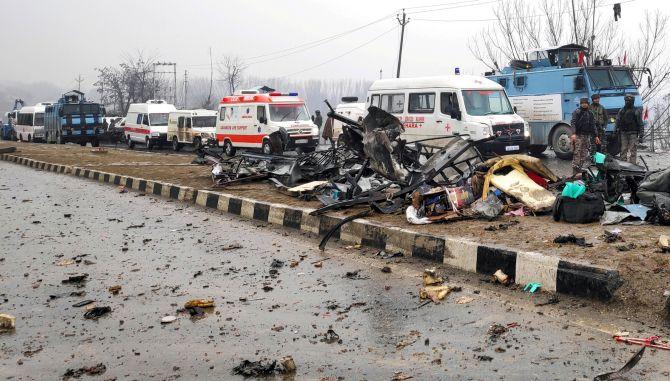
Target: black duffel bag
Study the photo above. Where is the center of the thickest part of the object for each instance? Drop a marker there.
(588, 207)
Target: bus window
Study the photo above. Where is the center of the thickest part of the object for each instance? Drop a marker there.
(260, 114)
(145, 119)
(421, 103)
(139, 119)
(393, 103)
(180, 122)
(375, 100)
(222, 113)
(188, 122)
(448, 103)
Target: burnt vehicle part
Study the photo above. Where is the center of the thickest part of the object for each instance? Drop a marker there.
(288, 170)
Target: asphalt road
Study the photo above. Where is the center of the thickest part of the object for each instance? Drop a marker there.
(163, 254)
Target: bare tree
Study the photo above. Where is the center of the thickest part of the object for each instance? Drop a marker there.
(132, 81)
(231, 69)
(648, 51)
(520, 27)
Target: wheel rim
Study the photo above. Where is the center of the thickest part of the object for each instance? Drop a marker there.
(229, 149)
(563, 143)
(266, 149)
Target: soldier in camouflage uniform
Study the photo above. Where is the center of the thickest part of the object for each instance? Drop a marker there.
(584, 139)
(600, 115)
(629, 124)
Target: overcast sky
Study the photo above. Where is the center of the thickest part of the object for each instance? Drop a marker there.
(55, 41)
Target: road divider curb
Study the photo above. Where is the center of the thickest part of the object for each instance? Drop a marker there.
(553, 273)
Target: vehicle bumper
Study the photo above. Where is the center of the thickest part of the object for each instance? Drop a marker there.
(505, 146)
(81, 135)
(310, 141)
(160, 139)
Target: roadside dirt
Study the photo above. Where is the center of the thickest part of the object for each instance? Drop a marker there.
(645, 269)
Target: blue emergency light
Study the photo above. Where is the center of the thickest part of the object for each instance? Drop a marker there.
(457, 70)
(292, 94)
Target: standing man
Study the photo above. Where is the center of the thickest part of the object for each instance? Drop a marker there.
(327, 134)
(318, 120)
(584, 139)
(600, 115)
(629, 125)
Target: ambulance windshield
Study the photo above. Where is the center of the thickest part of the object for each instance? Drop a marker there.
(288, 112)
(486, 102)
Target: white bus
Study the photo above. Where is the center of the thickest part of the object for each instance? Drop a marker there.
(196, 127)
(29, 123)
(146, 123)
(431, 107)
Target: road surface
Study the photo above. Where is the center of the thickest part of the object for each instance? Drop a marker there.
(163, 254)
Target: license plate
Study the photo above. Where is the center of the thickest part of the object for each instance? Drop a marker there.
(512, 148)
(301, 141)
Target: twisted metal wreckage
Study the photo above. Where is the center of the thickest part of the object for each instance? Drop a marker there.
(370, 165)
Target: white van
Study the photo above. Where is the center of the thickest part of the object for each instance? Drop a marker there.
(196, 127)
(431, 107)
(146, 123)
(247, 120)
(29, 123)
(352, 110)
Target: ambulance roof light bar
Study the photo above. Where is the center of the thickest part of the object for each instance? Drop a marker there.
(278, 94)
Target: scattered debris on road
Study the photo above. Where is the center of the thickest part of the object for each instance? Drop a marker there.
(572, 239)
(94, 370)
(7, 322)
(621, 373)
(97, 312)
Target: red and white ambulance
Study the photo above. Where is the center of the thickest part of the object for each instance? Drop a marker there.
(246, 120)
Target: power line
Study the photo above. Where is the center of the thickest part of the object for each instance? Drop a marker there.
(518, 17)
(455, 6)
(322, 40)
(341, 55)
(443, 4)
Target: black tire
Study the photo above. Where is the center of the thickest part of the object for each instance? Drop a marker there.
(175, 144)
(560, 141)
(228, 148)
(83, 144)
(308, 149)
(537, 150)
(130, 142)
(30, 139)
(266, 148)
(95, 143)
(148, 144)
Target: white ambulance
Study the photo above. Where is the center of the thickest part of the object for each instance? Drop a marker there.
(431, 107)
(247, 120)
(146, 123)
(193, 127)
(29, 123)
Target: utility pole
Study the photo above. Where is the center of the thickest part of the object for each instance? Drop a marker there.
(174, 77)
(593, 34)
(402, 23)
(79, 80)
(574, 22)
(185, 89)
